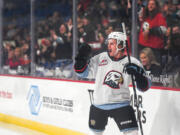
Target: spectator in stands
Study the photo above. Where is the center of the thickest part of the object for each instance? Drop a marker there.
(125, 11)
(173, 49)
(6, 50)
(149, 62)
(101, 41)
(42, 29)
(105, 23)
(10, 57)
(80, 35)
(102, 9)
(102, 37)
(69, 25)
(170, 11)
(25, 49)
(89, 30)
(109, 29)
(153, 29)
(47, 53)
(83, 6)
(11, 31)
(175, 46)
(63, 40)
(15, 58)
(63, 50)
(55, 20)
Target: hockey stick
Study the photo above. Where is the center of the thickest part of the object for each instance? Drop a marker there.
(91, 96)
(133, 83)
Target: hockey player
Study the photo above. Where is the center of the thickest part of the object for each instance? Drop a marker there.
(112, 73)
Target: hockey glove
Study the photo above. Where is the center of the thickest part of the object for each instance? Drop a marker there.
(82, 58)
(138, 73)
(133, 69)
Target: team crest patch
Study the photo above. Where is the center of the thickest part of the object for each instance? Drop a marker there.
(103, 62)
(114, 79)
(92, 122)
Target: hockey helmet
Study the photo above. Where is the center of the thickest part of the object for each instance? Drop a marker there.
(120, 38)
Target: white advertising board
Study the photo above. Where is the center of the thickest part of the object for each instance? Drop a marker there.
(66, 104)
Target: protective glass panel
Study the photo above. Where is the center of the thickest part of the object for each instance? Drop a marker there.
(39, 38)
(16, 37)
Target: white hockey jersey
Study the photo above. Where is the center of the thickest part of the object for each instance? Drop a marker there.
(111, 83)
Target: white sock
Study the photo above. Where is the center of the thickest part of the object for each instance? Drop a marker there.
(93, 132)
(131, 132)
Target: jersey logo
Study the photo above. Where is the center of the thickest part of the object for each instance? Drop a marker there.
(113, 79)
(103, 62)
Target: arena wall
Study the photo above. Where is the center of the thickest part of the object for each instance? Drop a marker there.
(61, 107)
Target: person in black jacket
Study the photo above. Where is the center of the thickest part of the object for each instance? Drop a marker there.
(149, 62)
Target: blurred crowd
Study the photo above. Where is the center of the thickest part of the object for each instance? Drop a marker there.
(95, 20)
